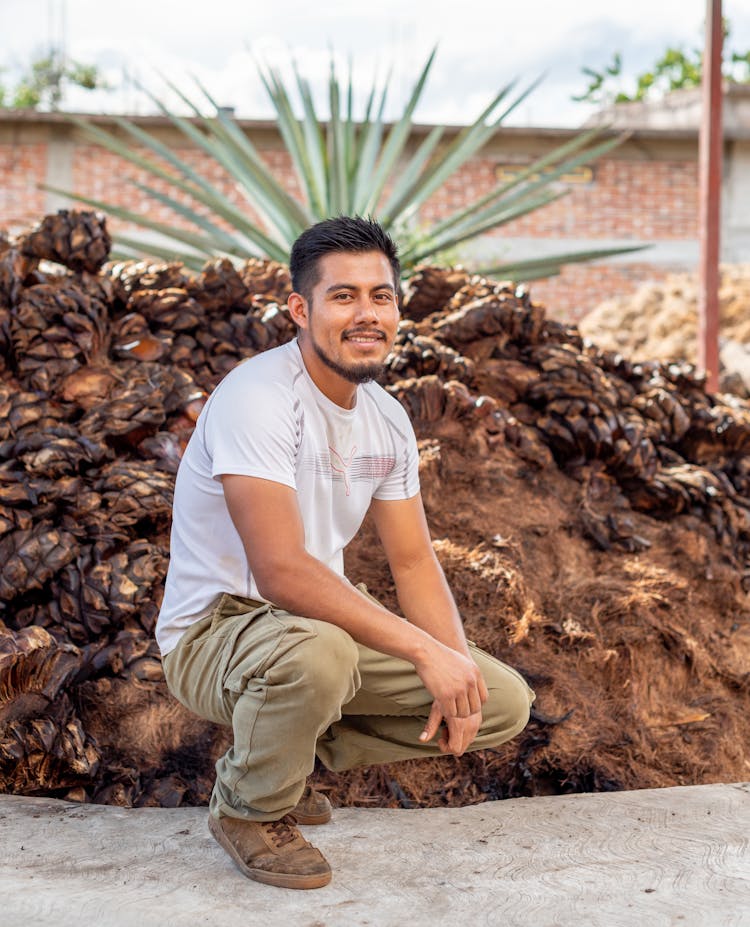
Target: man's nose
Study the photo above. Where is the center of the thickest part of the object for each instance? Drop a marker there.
(367, 310)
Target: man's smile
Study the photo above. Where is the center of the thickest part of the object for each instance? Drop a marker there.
(368, 337)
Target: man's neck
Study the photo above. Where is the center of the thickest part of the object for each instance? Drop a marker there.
(339, 390)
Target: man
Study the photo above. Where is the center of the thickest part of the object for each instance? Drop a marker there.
(259, 628)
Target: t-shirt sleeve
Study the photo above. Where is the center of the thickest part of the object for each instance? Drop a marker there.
(252, 430)
(403, 480)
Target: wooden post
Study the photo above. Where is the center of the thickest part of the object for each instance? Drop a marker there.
(710, 156)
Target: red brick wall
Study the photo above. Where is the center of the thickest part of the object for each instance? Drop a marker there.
(626, 199)
(22, 168)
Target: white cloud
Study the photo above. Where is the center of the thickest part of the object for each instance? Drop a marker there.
(482, 44)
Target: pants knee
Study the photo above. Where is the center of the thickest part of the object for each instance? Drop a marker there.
(506, 711)
(325, 664)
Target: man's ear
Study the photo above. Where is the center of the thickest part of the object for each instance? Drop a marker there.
(298, 309)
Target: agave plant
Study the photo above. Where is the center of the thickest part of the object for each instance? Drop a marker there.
(344, 166)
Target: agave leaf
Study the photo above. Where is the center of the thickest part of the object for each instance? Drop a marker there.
(590, 154)
(163, 151)
(562, 151)
(110, 141)
(195, 240)
(336, 148)
(350, 137)
(411, 173)
(345, 166)
(267, 200)
(127, 248)
(519, 99)
(468, 141)
(396, 140)
(440, 243)
(552, 264)
(265, 193)
(315, 143)
(205, 193)
(585, 157)
(527, 193)
(264, 245)
(292, 134)
(232, 243)
(371, 136)
(286, 213)
(499, 215)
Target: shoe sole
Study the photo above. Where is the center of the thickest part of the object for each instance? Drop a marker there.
(277, 879)
(323, 818)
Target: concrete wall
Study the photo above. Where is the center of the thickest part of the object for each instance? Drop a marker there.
(645, 192)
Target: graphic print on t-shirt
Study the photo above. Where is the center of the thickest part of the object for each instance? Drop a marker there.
(354, 468)
(341, 464)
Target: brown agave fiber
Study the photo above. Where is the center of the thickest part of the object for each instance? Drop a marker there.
(661, 320)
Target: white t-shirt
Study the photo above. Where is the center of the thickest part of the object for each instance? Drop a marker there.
(268, 419)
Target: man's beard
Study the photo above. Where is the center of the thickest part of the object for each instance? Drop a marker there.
(354, 373)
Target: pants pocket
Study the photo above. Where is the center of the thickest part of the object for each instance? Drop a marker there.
(256, 642)
(232, 606)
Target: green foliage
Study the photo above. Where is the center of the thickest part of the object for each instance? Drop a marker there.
(43, 83)
(599, 79)
(343, 164)
(675, 69)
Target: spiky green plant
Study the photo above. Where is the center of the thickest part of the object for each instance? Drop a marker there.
(344, 166)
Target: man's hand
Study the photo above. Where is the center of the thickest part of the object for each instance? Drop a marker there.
(458, 735)
(458, 688)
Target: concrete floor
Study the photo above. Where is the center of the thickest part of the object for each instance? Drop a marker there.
(677, 857)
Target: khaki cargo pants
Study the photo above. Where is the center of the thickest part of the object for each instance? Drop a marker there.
(293, 687)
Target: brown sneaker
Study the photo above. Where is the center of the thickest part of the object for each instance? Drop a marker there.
(274, 852)
(312, 808)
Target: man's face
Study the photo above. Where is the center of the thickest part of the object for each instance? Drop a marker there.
(353, 314)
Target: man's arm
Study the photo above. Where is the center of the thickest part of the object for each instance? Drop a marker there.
(267, 518)
(425, 599)
(423, 592)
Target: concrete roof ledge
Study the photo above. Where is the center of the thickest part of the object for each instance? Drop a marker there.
(678, 856)
(679, 110)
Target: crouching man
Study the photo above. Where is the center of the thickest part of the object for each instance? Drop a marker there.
(259, 628)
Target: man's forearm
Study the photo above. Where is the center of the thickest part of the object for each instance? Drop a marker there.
(311, 589)
(426, 601)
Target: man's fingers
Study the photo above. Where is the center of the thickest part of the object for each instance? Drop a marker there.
(463, 709)
(475, 701)
(460, 734)
(469, 702)
(433, 723)
(455, 739)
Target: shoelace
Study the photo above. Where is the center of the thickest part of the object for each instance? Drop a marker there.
(284, 830)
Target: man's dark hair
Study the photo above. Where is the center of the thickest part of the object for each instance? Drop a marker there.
(340, 235)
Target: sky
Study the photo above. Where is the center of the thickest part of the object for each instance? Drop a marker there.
(482, 45)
